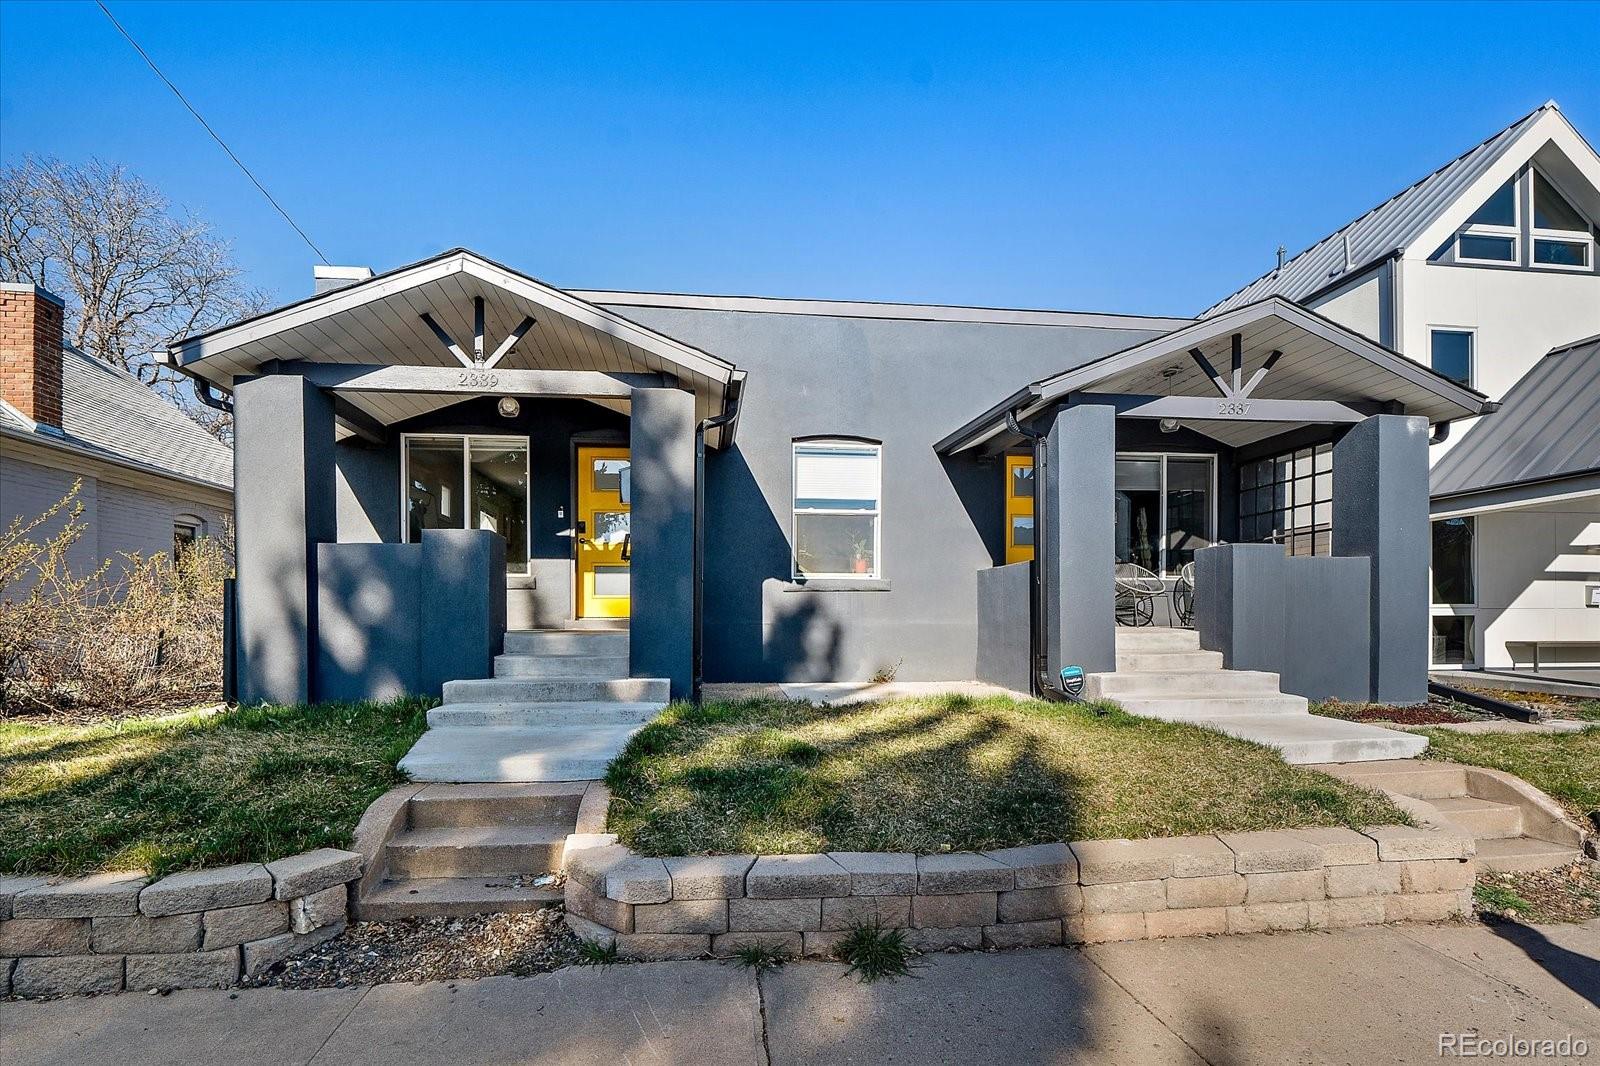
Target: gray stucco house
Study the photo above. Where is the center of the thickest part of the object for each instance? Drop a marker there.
(793, 490)
(151, 478)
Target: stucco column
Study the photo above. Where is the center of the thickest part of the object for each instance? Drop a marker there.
(661, 433)
(1078, 545)
(283, 508)
(1380, 510)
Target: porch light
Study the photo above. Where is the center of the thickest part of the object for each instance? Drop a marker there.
(1169, 425)
(509, 407)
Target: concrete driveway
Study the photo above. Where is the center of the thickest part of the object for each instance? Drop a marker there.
(1367, 995)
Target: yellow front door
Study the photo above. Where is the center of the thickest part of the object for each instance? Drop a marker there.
(604, 541)
(1019, 508)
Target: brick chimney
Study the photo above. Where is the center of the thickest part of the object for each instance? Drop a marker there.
(31, 324)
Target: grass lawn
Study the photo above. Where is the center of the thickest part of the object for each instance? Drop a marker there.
(1565, 765)
(183, 791)
(949, 773)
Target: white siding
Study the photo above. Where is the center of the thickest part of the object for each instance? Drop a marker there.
(1533, 568)
(1358, 306)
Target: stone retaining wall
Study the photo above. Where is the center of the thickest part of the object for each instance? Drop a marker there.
(199, 929)
(1084, 892)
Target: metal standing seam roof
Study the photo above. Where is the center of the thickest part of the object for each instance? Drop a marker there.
(1390, 227)
(1548, 427)
(108, 411)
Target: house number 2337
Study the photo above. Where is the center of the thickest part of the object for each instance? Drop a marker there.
(477, 379)
(1235, 408)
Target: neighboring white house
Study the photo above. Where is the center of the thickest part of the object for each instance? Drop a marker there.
(151, 478)
(1483, 269)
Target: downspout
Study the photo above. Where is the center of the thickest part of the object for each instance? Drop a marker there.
(730, 412)
(1039, 588)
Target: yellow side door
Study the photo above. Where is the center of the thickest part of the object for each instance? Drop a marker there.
(1019, 508)
(604, 541)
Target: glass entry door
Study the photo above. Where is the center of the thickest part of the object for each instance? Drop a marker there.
(1165, 509)
(605, 541)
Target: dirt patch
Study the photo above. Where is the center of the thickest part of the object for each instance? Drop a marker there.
(1436, 711)
(432, 949)
(1568, 894)
(1546, 704)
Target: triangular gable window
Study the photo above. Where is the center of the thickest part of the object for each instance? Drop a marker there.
(1551, 210)
(1526, 222)
(1500, 209)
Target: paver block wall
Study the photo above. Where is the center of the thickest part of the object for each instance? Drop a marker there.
(1085, 892)
(198, 929)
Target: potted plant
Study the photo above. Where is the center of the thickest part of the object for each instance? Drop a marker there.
(859, 556)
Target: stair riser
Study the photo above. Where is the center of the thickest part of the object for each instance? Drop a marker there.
(1156, 640)
(1180, 710)
(388, 910)
(1490, 824)
(587, 667)
(473, 860)
(1421, 784)
(566, 642)
(466, 813)
(1175, 686)
(598, 715)
(1134, 662)
(628, 689)
(1516, 864)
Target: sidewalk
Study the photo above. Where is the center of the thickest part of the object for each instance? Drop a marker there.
(1368, 995)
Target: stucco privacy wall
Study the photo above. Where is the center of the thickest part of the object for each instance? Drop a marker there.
(1085, 892)
(1005, 609)
(199, 929)
(903, 382)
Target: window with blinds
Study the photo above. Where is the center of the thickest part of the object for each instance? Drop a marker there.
(835, 531)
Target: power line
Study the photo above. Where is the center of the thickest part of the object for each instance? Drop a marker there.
(214, 135)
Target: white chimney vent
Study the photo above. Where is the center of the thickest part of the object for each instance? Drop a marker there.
(328, 278)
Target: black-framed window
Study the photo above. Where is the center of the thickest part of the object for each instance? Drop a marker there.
(1288, 499)
(1454, 581)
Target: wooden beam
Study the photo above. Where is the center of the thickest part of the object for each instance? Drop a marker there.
(470, 381)
(358, 422)
(1237, 344)
(477, 330)
(445, 339)
(1255, 379)
(1230, 408)
(1208, 370)
(509, 343)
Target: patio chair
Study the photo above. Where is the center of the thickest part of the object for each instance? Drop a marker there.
(1137, 592)
(1183, 596)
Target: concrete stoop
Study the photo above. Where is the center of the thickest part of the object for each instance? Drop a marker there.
(559, 707)
(1163, 673)
(475, 848)
(1516, 826)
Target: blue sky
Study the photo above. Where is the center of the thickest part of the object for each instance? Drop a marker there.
(1143, 159)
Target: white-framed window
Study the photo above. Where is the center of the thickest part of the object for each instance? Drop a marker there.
(466, 481)
(1452, 351)
(1491, 234)
(186, 529)
(1453, 592)
(1166, 508)
(1561, 236)
(836, 527)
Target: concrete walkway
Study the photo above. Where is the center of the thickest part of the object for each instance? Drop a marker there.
(1368, 995)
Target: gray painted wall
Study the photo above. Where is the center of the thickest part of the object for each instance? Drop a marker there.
(1305, 619)
(1005, 656)
(662, 451)
(904, 383)
(1077, 544)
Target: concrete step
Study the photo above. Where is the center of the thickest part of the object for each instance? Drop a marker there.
(1426, 781)
(548, 690)
(1156, 639)
(507, 753)
(453, 896)
(441, 806)
(1200, 709)
(588, 667)
(1484, 819)
(1187, 685)
(476, 851)
(536, 714)
(1517, 854)
(566, 642)
(1160, 662)
(1308, 739)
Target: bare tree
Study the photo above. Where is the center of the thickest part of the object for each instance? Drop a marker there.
(134, 273)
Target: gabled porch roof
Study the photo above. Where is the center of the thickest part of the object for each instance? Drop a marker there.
(382, 321)
(1298, 355)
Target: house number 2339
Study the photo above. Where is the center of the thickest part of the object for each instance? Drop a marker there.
(477, 379)
(1235, 408)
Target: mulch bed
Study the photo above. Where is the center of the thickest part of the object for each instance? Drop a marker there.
(432, 949)
(1568, 894)
(1436, 711)
(1547, 704)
